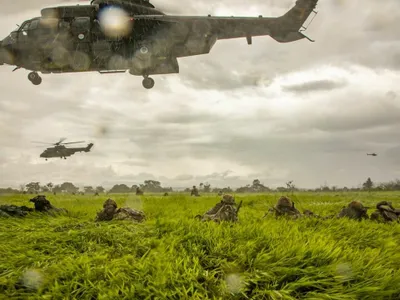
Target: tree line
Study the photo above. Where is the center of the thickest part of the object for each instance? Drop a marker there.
(153, 186)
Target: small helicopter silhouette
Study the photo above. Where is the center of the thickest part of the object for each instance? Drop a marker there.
(59, 150)
(372, 154)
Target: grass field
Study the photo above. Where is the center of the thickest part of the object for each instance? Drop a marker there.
(173, 256)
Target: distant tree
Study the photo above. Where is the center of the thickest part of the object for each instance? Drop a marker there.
(8, 191)
(152, 186)
(100, 189)
(290, 186)
(57, 189)
(69, 188)
(207, 188)
(49, 186)
(33, 187)
(368, 184)
(281, 189)
(119, 188)
(89, 190)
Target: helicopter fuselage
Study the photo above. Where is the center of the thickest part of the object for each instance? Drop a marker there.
(63, 152)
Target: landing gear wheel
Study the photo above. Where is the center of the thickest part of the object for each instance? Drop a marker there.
(37, 81)
(34, 78)
(148, 83)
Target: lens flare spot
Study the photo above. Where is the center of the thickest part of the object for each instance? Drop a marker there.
(32, 279)
(234, 283)
(115, 22)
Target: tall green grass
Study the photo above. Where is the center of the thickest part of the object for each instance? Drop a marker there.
(174, 256)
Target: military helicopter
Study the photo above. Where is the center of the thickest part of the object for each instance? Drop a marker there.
(59, 150)
(372, 154)
(114, 36)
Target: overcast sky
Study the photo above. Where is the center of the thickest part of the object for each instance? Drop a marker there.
(307, 112)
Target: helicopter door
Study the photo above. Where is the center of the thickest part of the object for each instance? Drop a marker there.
(81, 35)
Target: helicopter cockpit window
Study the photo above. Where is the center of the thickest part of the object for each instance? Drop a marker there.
(34, 25)
(25, 26)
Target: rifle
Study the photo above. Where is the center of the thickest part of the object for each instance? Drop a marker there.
(238, 208)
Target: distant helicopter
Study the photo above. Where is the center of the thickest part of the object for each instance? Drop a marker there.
(59, 150)
(372, 154)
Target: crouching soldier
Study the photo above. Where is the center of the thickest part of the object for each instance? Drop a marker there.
(194, 192)
(225, 210)
(112, 212)
(44, 205)
(355, 210)
(14, 211)
(385, 212)
(284, 207)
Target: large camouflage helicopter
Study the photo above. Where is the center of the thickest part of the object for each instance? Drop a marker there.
(59, 150)
(113, 36)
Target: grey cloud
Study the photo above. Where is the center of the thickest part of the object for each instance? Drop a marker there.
(184, 177)
(315, 86)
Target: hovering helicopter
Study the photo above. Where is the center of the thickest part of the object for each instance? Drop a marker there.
(372, 154)
(113, 36)
(59, 150)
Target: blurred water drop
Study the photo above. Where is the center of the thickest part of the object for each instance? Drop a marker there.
(234, 283)
(32, 279)
(134, 202)
(344, 270)
(115, 22)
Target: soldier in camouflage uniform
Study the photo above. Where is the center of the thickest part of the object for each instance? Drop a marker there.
(139, 191)
(223, 211)
(194, 192)
(355, 210)
(111, 212)
(14, 211)
(109, 209)
(41, 203)
(126, 213)
(385, 212)
(44, 205)
(285, 207)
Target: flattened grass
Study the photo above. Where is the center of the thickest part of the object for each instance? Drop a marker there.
(174, 256)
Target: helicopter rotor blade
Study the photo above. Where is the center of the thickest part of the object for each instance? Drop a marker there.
(73, 143)
(60, 141)
(42, 143)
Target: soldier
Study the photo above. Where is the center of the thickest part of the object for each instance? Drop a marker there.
(14, 211)
(44, 205)
(111, 212)
(385, 212)
(223, 211)
(126, 213)
(139, 191)
(109, 209)
(41, 203)
(166, 194)
(355, 210)
(285, 207)
(194, 192)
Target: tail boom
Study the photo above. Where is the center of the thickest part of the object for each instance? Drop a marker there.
(289, 25)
